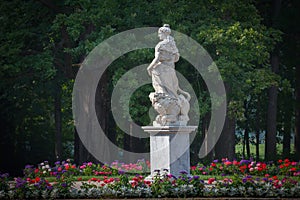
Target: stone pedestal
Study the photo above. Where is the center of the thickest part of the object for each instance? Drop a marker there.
(170, 148)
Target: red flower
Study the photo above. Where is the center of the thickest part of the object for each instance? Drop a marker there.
(193, 167)
(280, 161)
(213, 164)
(36, 170)
(281, 166)
(37, 179)
(286, 160)
(243, 168)
(236, 162)
(293, 169)
(134, 183)
(79, 179)
(148, 183)
(210, 180)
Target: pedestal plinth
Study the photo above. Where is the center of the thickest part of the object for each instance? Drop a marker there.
(170, 148)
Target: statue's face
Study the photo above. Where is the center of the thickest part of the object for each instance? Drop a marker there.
(162, 36)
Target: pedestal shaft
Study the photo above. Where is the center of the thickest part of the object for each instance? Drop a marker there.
(170, 148)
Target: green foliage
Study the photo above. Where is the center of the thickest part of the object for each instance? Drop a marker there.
(36, 36)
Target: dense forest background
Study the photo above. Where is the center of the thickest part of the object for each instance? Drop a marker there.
(255, 44)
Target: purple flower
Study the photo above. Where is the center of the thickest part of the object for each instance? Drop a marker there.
(64, 184)
(183, 172)
(215, 161)
(244, 162)
(49, 187)
(171, 176)
(28, 166)
(265, 179)
(196, 177)
(57, 163)
(20, 182)
(244, 180)
(121, 172)
(6, 175)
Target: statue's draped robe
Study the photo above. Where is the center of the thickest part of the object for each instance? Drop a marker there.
(164, 79)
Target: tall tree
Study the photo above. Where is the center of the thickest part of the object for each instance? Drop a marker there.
(270, 148)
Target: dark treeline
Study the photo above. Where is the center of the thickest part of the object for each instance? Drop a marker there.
(255, 45)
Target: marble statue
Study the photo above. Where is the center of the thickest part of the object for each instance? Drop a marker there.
(171, 102)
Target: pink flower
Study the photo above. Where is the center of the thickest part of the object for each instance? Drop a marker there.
(228, 163)
(294, 163)
(258, 164)
(82, 166)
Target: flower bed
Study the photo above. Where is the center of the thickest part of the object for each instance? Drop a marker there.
(243, 178)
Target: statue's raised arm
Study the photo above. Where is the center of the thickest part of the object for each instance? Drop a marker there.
(168, 100)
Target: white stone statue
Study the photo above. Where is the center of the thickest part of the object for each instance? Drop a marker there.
(171, 102)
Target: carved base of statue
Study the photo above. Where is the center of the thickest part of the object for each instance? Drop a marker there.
(172, 111)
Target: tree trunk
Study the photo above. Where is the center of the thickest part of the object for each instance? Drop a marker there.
(81, 153)
(247, 141)
(246, 133)
(205, 124)
(58, 122)
(257, 143)
(270, 148)
(297, 120)
(225, 147)
(287, 127)
(257, 130)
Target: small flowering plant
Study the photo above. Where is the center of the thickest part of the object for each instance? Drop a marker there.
(4, 184)
(140, 167)
(244, 167)
(287, 167)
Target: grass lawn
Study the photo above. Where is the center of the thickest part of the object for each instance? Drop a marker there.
(239, 150)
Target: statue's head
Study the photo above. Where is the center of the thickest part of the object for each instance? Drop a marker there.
(164, 31)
